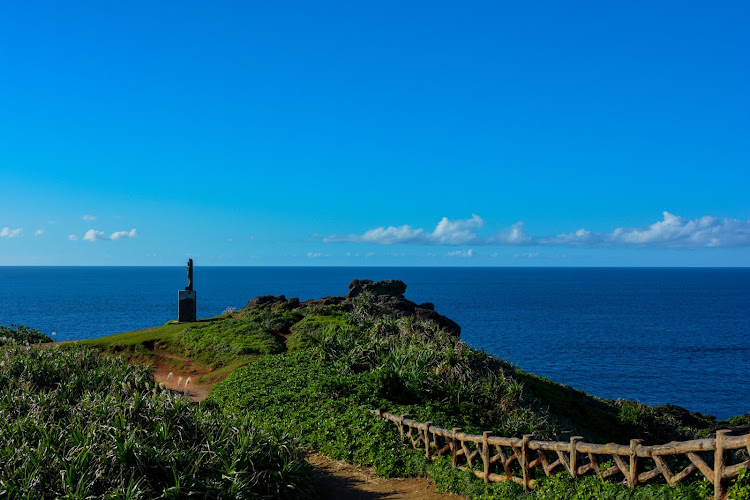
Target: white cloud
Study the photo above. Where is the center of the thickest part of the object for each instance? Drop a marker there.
(456, 232)
(94, 235)
(514, 235)
(7, 232)
(123, 234)
(461, 253)
(672, 231)
(316, 255)
(89, 217)
(447, 232)
(39, 232)
(675, 231)
(526, 255)
(72, 237)
(229, 240)
(578, 238)
(365, 255)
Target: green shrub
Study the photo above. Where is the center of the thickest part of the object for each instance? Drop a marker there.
(326, 411)
(76, 425)
(19, 334)
(346, 364)
(740, 490)
(307, 332)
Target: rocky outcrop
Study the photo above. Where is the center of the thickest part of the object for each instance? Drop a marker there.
(265, 301)
(386, 298)
(391, 288)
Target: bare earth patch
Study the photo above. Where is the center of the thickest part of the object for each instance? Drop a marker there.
(340, 480)
(178, 381)
(334, 479)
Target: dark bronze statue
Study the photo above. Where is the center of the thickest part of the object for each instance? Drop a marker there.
(190, 275)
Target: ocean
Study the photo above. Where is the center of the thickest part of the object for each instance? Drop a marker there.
(656, 335)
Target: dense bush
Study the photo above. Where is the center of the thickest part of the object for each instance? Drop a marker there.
(74, 424)
(328, 412)
(308, 331)
(323, 394)
(347, 364)
(19, 334)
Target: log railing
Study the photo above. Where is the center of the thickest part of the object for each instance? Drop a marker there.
(519, 459)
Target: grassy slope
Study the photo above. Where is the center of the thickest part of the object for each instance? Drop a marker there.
(74, 424)
(347, 363)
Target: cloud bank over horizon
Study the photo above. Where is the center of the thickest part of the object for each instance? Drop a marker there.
(672, 231)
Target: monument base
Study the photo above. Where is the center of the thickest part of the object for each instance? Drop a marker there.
(186, 306)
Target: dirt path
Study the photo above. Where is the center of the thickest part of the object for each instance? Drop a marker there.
(183, 379)
(334, 479)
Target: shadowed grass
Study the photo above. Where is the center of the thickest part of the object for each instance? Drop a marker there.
(76, 425)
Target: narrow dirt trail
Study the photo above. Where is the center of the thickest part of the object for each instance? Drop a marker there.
(334, 479)
(183, 379)
(339, 480)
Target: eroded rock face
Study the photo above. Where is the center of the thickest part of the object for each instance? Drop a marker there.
(393, 288)
(271, 301)
(387, 298)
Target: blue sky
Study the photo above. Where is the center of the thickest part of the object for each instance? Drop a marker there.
(380, 133)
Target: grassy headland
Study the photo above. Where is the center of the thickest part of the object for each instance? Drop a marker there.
(313, 370)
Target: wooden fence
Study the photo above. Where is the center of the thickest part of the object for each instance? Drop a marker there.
(518, 459)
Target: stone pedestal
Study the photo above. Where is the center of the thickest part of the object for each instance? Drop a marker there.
(186, 310)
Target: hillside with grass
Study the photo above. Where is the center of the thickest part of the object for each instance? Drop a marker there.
(305, 375)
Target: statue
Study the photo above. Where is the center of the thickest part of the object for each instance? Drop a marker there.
(186, 308)
(190, 274)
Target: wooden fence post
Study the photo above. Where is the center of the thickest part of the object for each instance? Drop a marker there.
(635, 463)
(486, 455)
(719, 486)
(574, 455)
(454, 446)
(401, 425)
(427, 439)
(525, 460)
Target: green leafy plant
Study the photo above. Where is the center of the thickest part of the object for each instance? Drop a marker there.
(19, 334)
(74, 424)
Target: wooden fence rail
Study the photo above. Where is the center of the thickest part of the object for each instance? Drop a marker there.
(518, 459)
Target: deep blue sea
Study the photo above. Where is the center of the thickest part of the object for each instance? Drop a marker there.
(667, 335)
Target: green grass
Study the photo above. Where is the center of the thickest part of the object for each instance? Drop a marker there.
(222, 343)
(308, 331)
(165, 336)
(322, 393)
(326, 411)
(340, 362)
(74, 424)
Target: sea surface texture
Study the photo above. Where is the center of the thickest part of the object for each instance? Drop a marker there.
(679, 336)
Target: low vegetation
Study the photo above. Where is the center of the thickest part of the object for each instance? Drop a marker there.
(308, 376)
(76, 425)
(351, 363)
(21, 335)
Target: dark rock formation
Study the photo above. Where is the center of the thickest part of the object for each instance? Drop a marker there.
(387, 299)
(265, 301)
(393, 288)
(325, 301)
